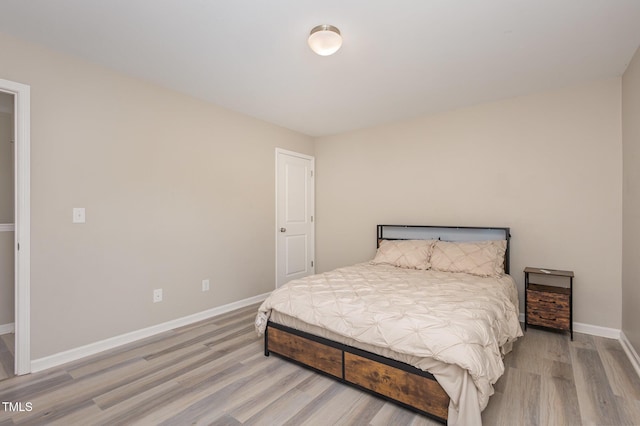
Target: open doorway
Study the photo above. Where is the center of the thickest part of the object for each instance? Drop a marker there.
(7, 236)
(20, 226)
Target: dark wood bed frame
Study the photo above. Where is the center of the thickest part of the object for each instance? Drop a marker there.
(396, 381)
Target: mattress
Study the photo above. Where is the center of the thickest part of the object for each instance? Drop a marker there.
(456, 326)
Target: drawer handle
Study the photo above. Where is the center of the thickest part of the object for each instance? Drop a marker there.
(541, 315)
(550, 319)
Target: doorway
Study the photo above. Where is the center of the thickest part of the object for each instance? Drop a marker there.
(295, 228)
(21, 227)
(7, 237)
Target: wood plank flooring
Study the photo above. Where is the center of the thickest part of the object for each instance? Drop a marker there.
(214, 372)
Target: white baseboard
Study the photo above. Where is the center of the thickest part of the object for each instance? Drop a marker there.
(631, 352)
(7, 328)
(594, 330)
(113, 342)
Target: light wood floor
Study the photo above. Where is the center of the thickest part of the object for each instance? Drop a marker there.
(215, 373)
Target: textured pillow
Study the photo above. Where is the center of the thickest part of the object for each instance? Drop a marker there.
(411, 254)
(483, 258)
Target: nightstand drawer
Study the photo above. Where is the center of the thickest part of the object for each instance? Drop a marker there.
(559, 320)
(547, 300)
(548, 309)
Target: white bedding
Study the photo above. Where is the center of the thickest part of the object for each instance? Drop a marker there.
(454, 325)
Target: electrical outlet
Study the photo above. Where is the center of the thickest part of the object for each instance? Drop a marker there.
(205, 285)
(157, 295)
(79, 215)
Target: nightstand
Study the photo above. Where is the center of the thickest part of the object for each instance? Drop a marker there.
(548, 299)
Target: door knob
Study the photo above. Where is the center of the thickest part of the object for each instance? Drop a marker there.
(283, 229)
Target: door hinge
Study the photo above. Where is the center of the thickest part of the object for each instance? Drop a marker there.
(311, 173)
(311, 218)
(312, 263)
(18, 246)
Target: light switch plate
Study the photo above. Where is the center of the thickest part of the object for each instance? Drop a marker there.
(78, 215)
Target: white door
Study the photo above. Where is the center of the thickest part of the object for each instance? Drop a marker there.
(294, 216)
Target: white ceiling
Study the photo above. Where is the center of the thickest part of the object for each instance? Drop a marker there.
(399, 59)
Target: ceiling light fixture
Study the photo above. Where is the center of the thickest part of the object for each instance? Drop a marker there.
(325, 40)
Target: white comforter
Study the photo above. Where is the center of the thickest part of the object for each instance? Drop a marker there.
(454, 318)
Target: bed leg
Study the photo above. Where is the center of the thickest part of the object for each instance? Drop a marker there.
(266, 342)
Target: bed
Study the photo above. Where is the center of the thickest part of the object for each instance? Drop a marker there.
(424, 324)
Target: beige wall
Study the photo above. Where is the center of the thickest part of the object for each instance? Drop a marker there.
(631, 202)
(175, 189)
(6, 166)
(6, 214)
(547, 165)
(6, 278)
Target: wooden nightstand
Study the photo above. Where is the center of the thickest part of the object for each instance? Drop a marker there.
(548, 299)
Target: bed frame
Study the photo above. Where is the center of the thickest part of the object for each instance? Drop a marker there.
(401, 383)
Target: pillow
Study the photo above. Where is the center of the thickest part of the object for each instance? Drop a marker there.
(412, 254)
(482, 258)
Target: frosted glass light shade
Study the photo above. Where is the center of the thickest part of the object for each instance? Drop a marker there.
(325, 40)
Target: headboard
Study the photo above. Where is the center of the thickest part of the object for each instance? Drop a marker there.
(446, 233)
